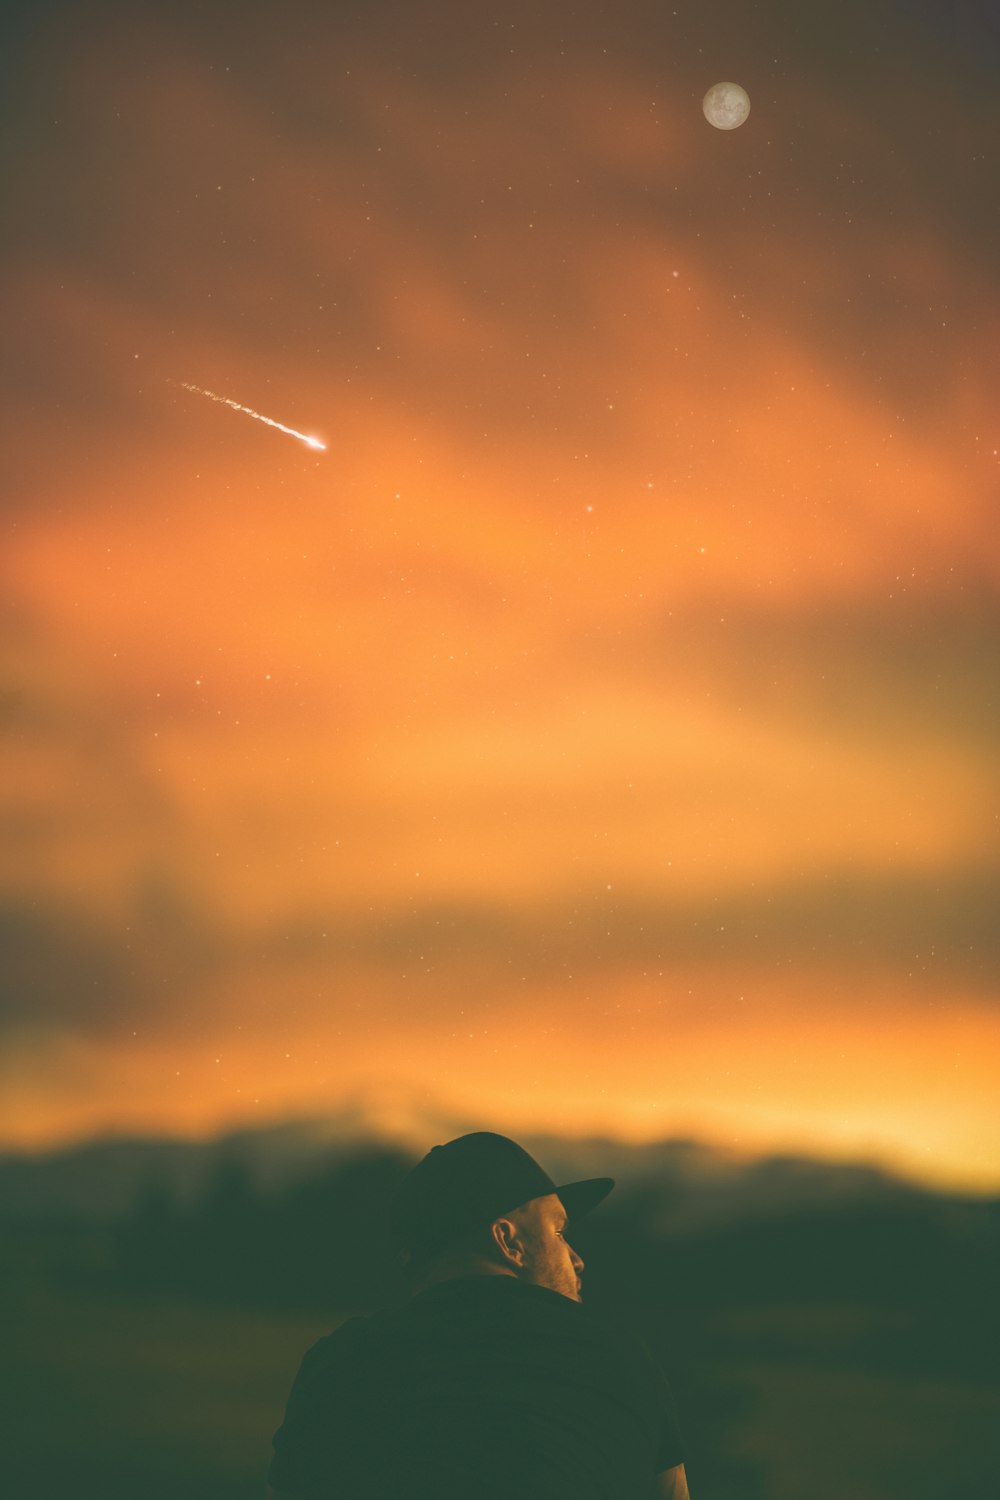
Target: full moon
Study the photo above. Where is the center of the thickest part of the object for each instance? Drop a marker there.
(726, 105)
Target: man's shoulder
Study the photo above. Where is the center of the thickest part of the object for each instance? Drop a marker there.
(470, 1309)
(332, 1345)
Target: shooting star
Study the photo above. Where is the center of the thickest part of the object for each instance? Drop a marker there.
(310, 442)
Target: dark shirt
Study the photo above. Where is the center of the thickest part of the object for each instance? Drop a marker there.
(480, 1387)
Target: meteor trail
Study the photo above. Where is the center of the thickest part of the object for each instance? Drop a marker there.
(310, 442)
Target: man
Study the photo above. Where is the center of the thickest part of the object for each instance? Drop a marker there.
(492, 1382)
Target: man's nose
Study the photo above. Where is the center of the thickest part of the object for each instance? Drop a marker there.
(576, 1259)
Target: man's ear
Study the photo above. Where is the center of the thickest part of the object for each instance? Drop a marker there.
(508, 1241)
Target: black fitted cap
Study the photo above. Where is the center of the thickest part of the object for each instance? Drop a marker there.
(467, 1183)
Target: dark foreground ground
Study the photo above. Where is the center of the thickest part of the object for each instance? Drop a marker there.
(112, 1396)
(826, 1338)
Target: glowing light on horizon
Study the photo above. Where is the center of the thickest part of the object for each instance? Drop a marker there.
(303, 437)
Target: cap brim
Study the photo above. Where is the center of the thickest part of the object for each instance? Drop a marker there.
(578, 1198)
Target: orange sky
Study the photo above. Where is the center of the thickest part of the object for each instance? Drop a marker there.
(601, 732)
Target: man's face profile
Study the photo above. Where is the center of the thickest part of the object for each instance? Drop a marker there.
(537, 1236)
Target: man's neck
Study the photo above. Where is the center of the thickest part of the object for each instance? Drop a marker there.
(459, 1269)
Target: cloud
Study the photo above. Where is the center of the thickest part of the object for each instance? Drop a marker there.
(651, 549)
(64, 974)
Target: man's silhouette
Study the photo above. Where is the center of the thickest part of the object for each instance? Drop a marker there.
(492, 1382)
